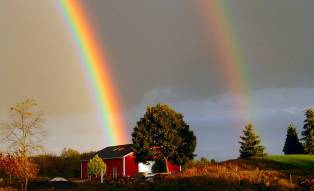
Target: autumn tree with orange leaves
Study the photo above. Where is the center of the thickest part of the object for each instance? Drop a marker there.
(25, 169)
(23, 134)
(18, 166)
(8, 165)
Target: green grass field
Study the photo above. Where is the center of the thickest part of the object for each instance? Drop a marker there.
(297, 161)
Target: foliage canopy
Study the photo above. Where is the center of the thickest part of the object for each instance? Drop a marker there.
(24, 132)
(163, 135)
(69, 152)
(95, 166)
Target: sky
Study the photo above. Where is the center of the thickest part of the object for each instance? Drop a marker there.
(160, 51)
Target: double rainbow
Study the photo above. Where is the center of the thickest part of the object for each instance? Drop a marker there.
(95, 65)
(230, 59)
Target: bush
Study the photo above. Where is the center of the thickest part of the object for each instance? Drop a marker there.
(198, 163)
(66, 165)
(237, 176)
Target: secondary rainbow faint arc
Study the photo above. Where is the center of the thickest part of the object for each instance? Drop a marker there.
(95, 66)
(230, 58)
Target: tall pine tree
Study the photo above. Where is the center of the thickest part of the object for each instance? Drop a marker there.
(250, 144)
(292, 144)
(308, 132)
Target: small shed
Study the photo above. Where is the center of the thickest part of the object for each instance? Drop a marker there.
(120, 161)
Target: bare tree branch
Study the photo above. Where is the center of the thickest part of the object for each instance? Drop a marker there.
(23, 133)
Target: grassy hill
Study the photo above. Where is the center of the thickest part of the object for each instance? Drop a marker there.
(296, 165)
(267, 173)
(279, 161)
(295, 161)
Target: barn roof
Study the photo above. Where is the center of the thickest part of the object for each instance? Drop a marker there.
(118, 151)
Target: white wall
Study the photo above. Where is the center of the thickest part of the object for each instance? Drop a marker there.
(145, 167)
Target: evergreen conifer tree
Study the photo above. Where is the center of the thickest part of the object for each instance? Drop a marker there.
(250, 144)
(292, 143)
(308, 132)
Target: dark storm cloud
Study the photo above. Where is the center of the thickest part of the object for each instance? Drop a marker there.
(212, 118)
(162, 44)
(160, 52)
(276, 37)
(155, 45)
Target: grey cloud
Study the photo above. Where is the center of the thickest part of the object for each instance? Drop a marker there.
(212, 119)
(159, 52)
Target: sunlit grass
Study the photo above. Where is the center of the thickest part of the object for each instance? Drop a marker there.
(299, 161)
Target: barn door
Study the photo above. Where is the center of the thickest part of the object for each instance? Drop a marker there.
(114, 172)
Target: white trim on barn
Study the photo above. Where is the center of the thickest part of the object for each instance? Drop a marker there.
(128, 154)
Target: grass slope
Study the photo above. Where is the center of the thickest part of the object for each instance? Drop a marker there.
(299, 165)
(297, 161)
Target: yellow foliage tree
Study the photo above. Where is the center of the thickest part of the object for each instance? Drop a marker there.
(95, 166)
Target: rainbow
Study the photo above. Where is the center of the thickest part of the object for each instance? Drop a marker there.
(230, 58)
(94, 63)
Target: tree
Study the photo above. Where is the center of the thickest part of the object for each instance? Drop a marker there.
(25, 169)
(292, 143)
(159, 166)
(18, 166)
(95, 166)
(308, 132)
(69, 162)
(204, 161)
(8, 165)
(68, 152)
(23, 132)
(250, 144)
(163, 135)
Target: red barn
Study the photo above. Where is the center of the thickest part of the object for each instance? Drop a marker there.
(120, 161)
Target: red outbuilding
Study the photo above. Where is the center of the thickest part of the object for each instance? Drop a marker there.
(120, 161)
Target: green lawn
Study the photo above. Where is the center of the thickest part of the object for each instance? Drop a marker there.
(298, 161)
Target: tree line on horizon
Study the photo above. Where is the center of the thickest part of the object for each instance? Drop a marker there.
(160, 135)
(250, 143)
